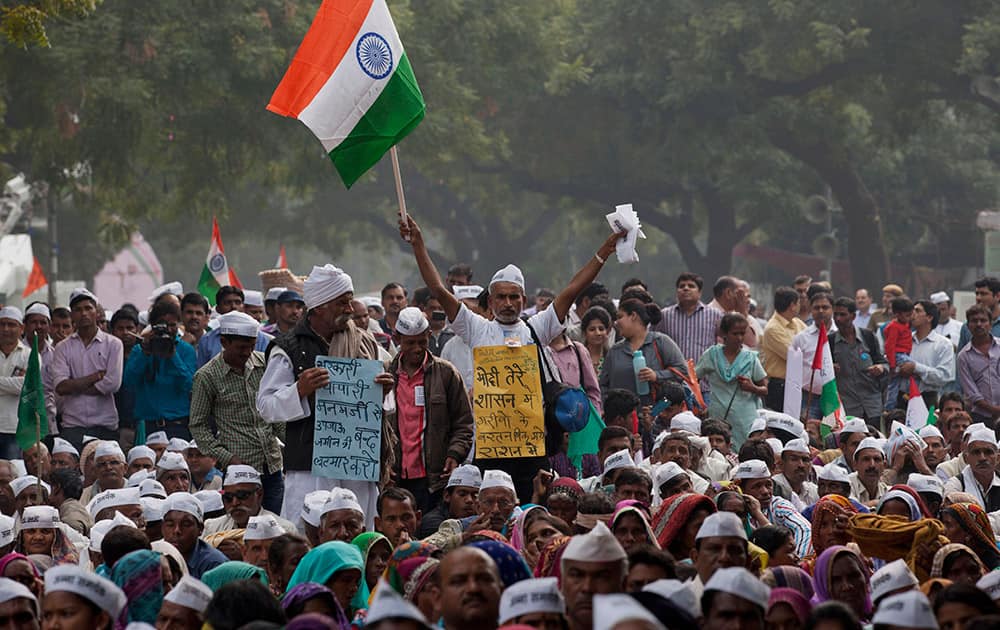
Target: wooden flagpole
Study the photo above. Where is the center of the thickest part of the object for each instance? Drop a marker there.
(394, 154)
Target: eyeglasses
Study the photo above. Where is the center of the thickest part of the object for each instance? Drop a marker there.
(242, 495)
(503, 504)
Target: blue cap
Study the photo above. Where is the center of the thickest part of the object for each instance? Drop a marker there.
(290, 296)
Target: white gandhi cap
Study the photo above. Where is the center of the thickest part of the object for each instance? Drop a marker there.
(465, 475)
(241, 473)
(869, 442)
(411, 322)
(388, 604)
(467, 292)
(679, 594)
(262, 527)
(686, 421)
(618, 459)
(990, 584)
(40, 517)
(510, 274)
(211, 500)
(190, 593)
(157, 438)
(798, 445)
(12, 312)
(90, 586)
(152, 488)
(342, 499)
(926, 483)
(172, 461)
(39, 308)
(312, 506)
(721, 524)
(10, 589)
(497, 479)
(741, 583)
(752, 469)
(106, 448)
(834, 472)
(101, 529)
(60, 445)
(238, 324)
(911, 609)
(21, 484)
(184, 502)
(854, 426)
(666, 472)
(616, 608)
(6, 530)
(597, 545)
(253, 298)
(891, 577)
(113, 498)
(539, 595)
(984, 435)
(177, 445)
(141, 452)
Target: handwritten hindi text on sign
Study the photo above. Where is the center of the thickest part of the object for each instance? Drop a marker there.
(508, 406)
(347, 441)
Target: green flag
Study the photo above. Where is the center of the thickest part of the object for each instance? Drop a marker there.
(32, 421)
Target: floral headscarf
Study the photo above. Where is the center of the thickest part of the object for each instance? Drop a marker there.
(415, 572)
(62, 552)
(973, 520)
(138, 574)
(549, 557)
(942, 555)
(411, 549)
(672, 517)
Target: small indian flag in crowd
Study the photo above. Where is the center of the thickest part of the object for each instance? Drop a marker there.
(216, 272)
(351, 83)
(830, 408)
(918, 415)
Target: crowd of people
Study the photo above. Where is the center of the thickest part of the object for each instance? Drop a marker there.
(175, 487)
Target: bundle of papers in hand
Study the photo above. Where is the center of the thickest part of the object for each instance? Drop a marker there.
(625, 218)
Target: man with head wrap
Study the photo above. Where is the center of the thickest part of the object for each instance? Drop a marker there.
(291, 379)
(507, 301)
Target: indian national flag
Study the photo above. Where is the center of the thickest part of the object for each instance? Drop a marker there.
(216, 273)
(917, 414)
(829, 400)
(352, 85)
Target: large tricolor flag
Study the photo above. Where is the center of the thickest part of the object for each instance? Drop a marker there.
(351, 83)
(216, 273)
(829, 400)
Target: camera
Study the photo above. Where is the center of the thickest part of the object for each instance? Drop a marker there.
(161, 341)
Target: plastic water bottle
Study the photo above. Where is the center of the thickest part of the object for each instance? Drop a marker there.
(638, 363)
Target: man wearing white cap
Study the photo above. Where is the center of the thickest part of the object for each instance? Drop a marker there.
(225, 393)
(291, 379)
(507, 301)
(242, 494)
(28, 491)
(260, 531)
(184, 605)
(850, 436)
(64, 455)
(227, 299)
(734, 595)
(676, 447)
(459, 500)
(433, 417)
(947, 326)
(497, 500)
(96, 601)
(125, 502)
(979, 477)
(172, 471)
(930, 488)
(87, 371)
(270, 301)
(140, 458)
(721, 542)
(869, 464)
(253, 304)
(109, 460)
(537, 603)
(796, 464)
(342, 517)
(183, 523)
(13, 364)
(592, 564)
(37, 319)
(754, 478)
(18, 606)
(158, 441)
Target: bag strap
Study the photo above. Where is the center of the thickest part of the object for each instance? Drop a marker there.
(549, 376)
(659, 357)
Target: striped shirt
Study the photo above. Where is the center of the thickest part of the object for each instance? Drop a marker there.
(693, 333)
(782, 512)
(221, 393)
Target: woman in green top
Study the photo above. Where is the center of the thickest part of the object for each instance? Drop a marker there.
(736, 376)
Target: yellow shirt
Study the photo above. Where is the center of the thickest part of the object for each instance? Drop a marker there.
(778, 335)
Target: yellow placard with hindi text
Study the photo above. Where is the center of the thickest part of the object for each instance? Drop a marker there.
(507, 402)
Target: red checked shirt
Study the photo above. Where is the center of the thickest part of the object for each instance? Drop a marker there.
(412, 420)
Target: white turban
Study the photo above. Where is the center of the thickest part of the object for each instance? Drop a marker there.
(324, 284)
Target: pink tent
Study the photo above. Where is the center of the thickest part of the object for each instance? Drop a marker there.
(130, 276)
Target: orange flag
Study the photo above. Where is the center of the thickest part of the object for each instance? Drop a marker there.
(36, 280)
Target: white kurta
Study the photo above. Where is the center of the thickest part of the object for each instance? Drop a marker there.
(278, 400)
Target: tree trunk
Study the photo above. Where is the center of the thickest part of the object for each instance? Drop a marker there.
(865, 245)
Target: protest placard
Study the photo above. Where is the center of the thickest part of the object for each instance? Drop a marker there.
(347, 441)
(508, 405)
